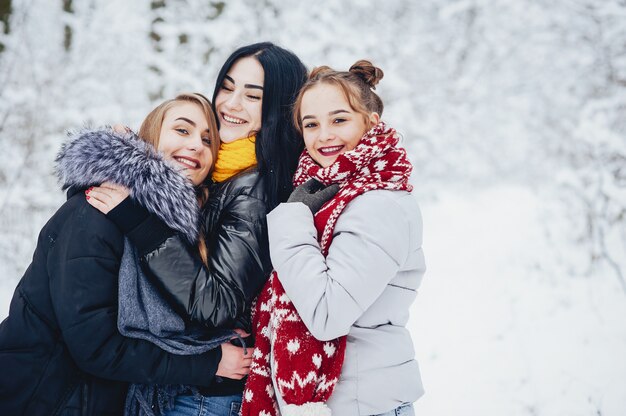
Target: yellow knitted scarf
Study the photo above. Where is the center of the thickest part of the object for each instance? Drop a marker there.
(234, 157)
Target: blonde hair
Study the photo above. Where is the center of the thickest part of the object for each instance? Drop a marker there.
(357, 85)
(150, 131)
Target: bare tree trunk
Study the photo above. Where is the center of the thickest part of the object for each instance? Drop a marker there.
(67, 30)
(5, 16)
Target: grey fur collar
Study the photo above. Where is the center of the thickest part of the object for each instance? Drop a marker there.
(91, 157)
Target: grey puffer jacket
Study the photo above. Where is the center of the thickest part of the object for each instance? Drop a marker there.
(362, 289)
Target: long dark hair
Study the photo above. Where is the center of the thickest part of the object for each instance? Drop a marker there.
(278, 144)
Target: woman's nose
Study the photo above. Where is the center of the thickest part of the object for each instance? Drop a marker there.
(234, 101)
(195, 143)
(326, 134)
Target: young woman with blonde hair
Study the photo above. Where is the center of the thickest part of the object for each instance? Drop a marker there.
(60, 347)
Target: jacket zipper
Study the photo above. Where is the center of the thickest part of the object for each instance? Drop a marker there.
(85, 401)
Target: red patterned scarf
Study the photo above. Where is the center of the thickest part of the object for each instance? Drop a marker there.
(306, 370)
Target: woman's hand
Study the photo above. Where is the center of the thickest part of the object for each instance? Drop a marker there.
(242, 333)
(234, 363)
(313, 194)
(106, 196)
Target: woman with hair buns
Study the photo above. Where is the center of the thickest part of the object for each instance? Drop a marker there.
(330, 324)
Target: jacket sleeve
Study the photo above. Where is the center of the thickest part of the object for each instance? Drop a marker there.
(144, 229)
(239, 264)
(83, 265)
(370, 244)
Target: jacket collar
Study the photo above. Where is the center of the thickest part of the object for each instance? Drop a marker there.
(90, 157)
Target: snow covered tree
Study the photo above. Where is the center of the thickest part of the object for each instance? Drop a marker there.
(483, 91)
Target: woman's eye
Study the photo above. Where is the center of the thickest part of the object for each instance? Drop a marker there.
(227, 87)
(182, 131)
(339, 120)
(254, 97)
(206, 141)
(309, 125)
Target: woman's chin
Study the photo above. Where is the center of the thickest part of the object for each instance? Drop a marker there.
(325, 161)
(228, 135)
(194, 179)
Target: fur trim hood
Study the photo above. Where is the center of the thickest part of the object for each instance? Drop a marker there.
(90, 157)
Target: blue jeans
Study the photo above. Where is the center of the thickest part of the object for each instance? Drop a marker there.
(189, 405)
(404, 410)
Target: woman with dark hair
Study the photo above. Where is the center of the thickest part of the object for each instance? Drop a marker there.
(277, 143)
(254, 93)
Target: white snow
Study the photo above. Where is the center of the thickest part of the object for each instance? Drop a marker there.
(496, 331)
(514, 114)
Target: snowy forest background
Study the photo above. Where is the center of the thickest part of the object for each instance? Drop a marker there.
(513, 111)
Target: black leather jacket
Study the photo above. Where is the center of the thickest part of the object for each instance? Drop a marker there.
(235, 230)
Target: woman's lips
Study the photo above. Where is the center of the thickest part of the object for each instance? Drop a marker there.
(330, 150)
(188, 162)
(232, 120)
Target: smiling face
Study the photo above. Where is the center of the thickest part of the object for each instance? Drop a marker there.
(330, 126)
(185, 140)
(238, 102)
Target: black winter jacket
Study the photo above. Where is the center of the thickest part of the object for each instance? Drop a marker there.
(60, 350)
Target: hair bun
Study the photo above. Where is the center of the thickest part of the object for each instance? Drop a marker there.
(369, 73)
(319, 71)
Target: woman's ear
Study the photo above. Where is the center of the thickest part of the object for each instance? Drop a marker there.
(374, 119)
